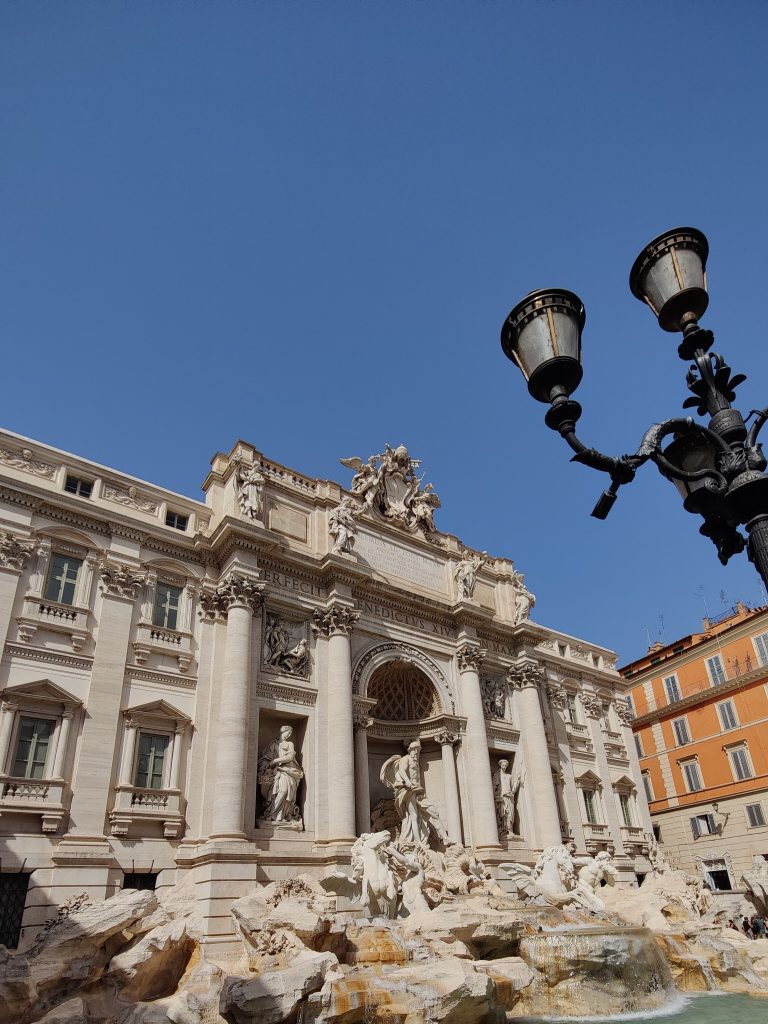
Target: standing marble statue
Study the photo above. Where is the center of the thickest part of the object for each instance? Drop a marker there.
(250, 494)
(506, 786)
(466, 573)
(524, 599)
(342, 526)
(279, 775)
(402, 774)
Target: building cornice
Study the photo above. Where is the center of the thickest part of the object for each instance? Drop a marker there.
(756, 676)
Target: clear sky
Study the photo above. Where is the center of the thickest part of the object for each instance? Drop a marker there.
(303, 223)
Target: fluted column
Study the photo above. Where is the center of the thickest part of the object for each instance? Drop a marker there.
(595, 710)
(336, 623)
(236, 598)
(527, 677)
(62, 739)
(451, 786)
(91, 785)
(14, 555)
(7, 711)
(125, 778)
(625, 715)
(482, 807)
(362, 786)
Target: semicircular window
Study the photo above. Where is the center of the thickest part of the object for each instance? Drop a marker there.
(404, 693)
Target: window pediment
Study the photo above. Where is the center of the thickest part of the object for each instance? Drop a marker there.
(157, 709)
(43, 690)
(588, 778)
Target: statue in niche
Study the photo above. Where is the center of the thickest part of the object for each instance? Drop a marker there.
(506, 786)
(418, 819)
(466, 573)
(279, 775)
(493, 692)
(286, 646)
(524, 599)
(342, 526)
(250, 494)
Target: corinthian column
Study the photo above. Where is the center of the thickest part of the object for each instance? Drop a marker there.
(14, 554)
(336, 624)
(362, 787)
(482, 807)
(527, 677)
(236, 598)
(451, 788)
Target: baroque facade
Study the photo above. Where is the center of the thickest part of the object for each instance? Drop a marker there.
(702, 720)
(222, 691)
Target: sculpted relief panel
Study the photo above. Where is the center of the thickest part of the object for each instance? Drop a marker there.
(286, 645)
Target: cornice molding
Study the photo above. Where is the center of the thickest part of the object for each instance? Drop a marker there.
(150, 675)
(49, 657)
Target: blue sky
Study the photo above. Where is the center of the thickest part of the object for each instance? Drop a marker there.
(303, 224)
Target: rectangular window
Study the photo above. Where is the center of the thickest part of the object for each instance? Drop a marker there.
(638, 745)
(82, 488)
(573, 709)
(176, 520)
(13, 897)
(625, 802)
(62, 579)
(151, 760)
(727, 713)
(672, 687)
(692, 776)
(682, 734)
(703, 825)
(740, 765)
(562, 650)
(590, 806)
(647, 786)
(761, 646)
(715, 670)
(166, 611)
(32, 748)
(755, 816)
(146, 880)
(630, 703)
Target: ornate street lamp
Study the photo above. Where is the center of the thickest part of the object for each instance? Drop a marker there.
(719, 469)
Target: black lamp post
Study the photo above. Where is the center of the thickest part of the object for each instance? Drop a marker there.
(719, 469)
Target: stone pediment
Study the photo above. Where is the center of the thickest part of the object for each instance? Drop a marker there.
(589, 777)
(624, 783)
(41, 690)
(157, 709)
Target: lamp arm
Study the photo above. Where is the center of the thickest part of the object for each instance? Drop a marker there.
(761, 415)
(622, 469)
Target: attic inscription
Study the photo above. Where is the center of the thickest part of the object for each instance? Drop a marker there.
(394, 560)
(405, 619)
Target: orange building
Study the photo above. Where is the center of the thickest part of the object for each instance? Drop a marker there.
(701, 732)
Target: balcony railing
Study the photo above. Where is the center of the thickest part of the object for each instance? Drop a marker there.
(38, 613)
(158, 640)
(41, 797)
(137, 804)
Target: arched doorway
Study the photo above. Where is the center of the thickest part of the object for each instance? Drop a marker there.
(409, 705)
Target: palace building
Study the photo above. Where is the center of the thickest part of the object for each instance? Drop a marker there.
(219, 691)
(701, 734)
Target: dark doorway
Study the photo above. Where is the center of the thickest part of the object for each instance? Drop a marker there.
(140, 880)
(13, 896)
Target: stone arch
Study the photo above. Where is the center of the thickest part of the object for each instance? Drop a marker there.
(70, 536)
(410, 660)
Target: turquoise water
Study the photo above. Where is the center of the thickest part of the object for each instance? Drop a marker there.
(707, 1008)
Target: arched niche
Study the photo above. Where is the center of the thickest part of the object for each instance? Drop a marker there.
(406, 664)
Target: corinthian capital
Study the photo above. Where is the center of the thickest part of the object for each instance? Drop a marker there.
(232, 590)
(336, 619)
(593, 706)
(527, 673)
(470, 657)
(446, 738)
(120, 580)
(557, 697)
(14, 552)
(624, 712)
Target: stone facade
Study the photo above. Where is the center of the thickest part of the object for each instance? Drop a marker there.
(211, 691)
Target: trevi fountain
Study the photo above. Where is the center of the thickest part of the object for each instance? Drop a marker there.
(370, 768)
